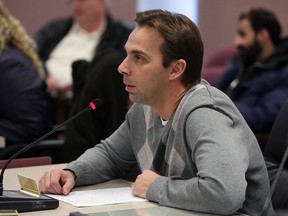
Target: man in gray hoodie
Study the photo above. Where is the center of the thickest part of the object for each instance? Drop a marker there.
(194, 149)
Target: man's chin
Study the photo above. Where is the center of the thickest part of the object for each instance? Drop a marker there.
(241, 51)
(132, 97)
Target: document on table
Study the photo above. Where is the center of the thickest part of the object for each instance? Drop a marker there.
(98, 197)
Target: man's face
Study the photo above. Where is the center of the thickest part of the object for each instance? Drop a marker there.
(246, 43)
(144, 76)
(86, 11)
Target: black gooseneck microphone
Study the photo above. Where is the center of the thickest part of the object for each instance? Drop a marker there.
(92, 106)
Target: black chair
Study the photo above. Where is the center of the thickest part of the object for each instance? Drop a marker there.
(96, 79)
(274, 152)
(51, 146)
(27, 162)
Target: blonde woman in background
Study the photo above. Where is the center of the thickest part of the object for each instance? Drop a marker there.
(24, 114)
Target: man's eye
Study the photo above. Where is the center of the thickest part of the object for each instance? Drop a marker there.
(241, 33)
(138, 57)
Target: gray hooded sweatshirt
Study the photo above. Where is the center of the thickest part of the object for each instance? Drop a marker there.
(208, 158)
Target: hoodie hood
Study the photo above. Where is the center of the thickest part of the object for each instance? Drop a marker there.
(280, 56)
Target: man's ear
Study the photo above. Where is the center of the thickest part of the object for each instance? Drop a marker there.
(263, 35)
(177, 69)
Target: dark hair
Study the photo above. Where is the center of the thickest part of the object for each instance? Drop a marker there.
(182, 40)
(261, 18)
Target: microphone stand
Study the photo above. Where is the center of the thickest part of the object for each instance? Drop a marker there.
(92, 106)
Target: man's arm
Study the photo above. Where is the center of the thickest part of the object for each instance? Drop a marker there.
(107, 160)
(103, 162)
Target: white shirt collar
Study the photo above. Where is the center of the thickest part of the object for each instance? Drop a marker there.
(76, 28)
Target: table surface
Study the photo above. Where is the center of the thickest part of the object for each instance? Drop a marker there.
(131, 209)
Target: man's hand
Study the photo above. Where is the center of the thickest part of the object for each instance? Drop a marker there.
(54, 86)
(143, 182)
(57, 181)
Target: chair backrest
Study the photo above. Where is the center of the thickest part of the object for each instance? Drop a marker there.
(100, 80)
(214, 68)
(48, 147)
(25, 162)
(278, 138)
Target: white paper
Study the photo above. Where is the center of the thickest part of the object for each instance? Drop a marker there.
(98, 197)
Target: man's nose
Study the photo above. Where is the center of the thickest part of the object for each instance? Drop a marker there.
(123, 67)
(237, 41)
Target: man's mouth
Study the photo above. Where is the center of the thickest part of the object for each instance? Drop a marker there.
(128, 87)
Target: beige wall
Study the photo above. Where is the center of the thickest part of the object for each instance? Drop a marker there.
(34, 13)
(217, 18)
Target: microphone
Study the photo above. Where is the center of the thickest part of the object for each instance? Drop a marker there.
(93, 105)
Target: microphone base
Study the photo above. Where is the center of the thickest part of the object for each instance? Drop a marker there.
(16, 200)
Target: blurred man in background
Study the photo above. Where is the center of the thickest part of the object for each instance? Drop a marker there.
(85, 50)
(89, 32)
(256, 78)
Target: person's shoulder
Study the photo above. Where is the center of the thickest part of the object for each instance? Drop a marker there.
(107, 57)
(11, 53)
(206, 98)
(14, 63)
(137, 109)
(282, 48)
(118, 24)
(281, 54)
(58, 23)
(205, 95)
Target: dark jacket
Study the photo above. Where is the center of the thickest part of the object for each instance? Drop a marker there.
(98, 79)
(261, 90)
(24, 113)
(114, 36)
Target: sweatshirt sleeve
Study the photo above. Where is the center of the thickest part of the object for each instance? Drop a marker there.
(221, 162)
(109, 159)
